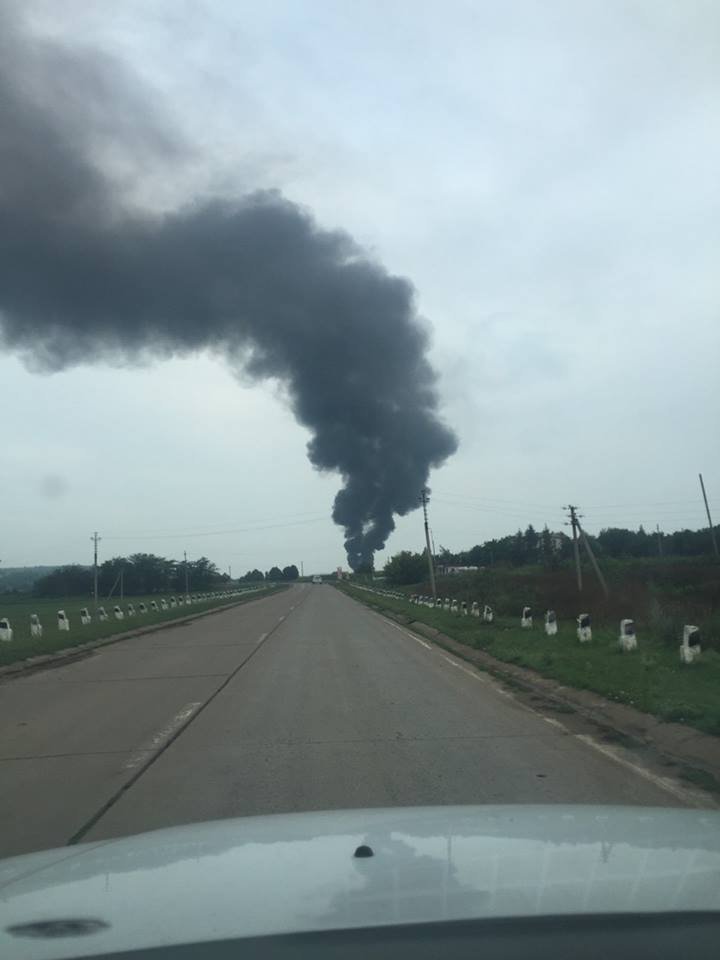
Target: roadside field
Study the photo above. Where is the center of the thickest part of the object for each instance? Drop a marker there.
(651, 678)
(23, 645)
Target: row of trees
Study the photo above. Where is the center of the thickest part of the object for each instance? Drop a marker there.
(138, 574)
(552, 550)
(145, 573)
(273, 574)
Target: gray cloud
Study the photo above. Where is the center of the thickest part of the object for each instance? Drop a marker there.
(53, 486)
(85, 277)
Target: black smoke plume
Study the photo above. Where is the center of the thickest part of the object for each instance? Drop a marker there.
(87, 276)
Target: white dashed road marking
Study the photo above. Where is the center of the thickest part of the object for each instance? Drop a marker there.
(556, 723)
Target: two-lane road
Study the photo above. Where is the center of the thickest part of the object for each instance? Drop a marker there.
(304, 700)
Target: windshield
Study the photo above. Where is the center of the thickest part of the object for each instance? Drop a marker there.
(358, 364)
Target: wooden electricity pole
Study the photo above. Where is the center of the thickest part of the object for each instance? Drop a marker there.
(424, 499)
(593, 561)
(578, 530)
(95, 539)
(707, 510)
(575, 524)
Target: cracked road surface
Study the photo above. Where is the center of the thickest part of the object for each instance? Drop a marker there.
(304, 700)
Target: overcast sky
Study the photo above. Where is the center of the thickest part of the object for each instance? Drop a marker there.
(546, 176)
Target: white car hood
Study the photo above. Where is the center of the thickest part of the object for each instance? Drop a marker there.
(297, 872)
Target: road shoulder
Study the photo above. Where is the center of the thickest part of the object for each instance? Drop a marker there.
(690, 755)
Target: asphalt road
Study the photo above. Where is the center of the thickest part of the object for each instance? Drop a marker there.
(304, 700)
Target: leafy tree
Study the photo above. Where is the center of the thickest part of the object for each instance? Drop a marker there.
(274, 573)
(547, 550)
(406, 567)
(69, 581)
(532, 543)
(253, 576)
(202, 574)
(147, 573)
(477, 556)
(518, 550)
(290, 573)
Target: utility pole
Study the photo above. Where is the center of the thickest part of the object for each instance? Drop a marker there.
(659, 536)
(594, 562)
(117, 581)
(122, 583)
(302, 569)
(575, 523)
(186, 573)
(710, 523)
(424, 499)
(95, 539)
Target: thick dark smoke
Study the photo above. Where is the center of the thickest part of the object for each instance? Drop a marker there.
(85, 276)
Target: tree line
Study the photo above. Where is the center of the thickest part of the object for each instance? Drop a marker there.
(552, 550)
(273, 574)
(145, 573)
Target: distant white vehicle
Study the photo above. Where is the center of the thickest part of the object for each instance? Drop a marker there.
(5, 630)
(317, 579)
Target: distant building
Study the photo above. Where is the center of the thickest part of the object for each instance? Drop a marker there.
(446, 570)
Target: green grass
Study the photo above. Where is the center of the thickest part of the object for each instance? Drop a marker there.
(23, 645)
(701, 778)
(651, 678)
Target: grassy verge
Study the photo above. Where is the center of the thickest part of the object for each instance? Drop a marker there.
(23, 645)
(651, 678)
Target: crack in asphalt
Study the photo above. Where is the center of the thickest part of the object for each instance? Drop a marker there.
(100, 813)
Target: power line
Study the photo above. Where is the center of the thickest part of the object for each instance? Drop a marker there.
(517, 503)
(223, 526)
(476, 508)
(643, 503)
(606, 521)
(214, 533)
